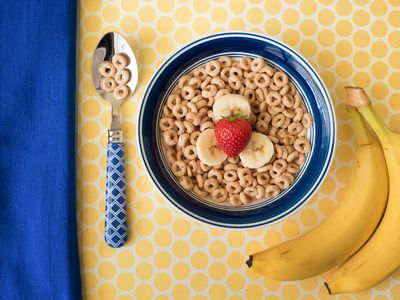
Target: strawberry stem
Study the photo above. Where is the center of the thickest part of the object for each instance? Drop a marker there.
(234, 117)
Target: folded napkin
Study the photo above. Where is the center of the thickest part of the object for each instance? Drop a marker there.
(38, 239)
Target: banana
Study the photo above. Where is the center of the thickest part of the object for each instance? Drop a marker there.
(231, 104)
(208, 150)
(258, 151)
(380, 256)
(345, 230)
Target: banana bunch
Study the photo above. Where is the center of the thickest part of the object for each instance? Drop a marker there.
(362, 233)
(380, 256)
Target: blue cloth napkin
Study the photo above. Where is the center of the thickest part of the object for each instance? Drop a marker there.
(38, 239)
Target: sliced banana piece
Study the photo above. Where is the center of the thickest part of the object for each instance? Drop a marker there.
(208, 149)
(231, 104)
(258, 151)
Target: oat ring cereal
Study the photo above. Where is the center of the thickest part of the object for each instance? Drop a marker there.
(219, 195)
(273, 99)
(108, 84)
(186, 182)
(257, 65)
(179, 168)
(121, 92)
(107, 69)
(122, 76)
(213, 68)
(120, 61)
(277, 111)
(225, 61)
(167, 124)
(280, 79)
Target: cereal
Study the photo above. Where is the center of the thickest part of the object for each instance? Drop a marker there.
(235, 71)
(273, 98)
(198, 191)
(120, 60)
(171, 156)
(225, 61)
(233, 187)
(289, 113)
(213, 173)
(245, 63)
(260, 192)
(257, 64)
(282, 182)
(186, 182)
(272, 191)
(179, 111)
(187, 92)
(284, 90)
(230, 175)
(277, 111)
(210, 184)
(213, 68)
(108, 84)
(243, 198)
(250, 191)
(292, 156)
(288, 101)
(107, 69)
(307, 120)
(167, 124)
(250, 84)
(263, 178)
(122, 76)
(121, 92)
(209, 91)
(172, 101)
(234, 82)
(178, 168)
(219, 195)
(234, 200)
(262, 80)
(190, 152)
(295, 128)
(170, 137)
(246, 181)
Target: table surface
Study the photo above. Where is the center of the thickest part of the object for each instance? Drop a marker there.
(168, 255)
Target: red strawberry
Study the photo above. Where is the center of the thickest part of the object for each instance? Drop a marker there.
(233, 134)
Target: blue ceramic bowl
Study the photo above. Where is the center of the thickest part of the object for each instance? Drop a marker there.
(316, 98)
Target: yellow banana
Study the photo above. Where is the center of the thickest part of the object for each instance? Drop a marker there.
(345, 230)
(380, 256)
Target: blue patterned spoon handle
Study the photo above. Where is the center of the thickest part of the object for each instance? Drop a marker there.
(116, 232)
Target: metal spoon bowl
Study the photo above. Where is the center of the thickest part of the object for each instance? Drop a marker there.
(116, 230)
(113, 43)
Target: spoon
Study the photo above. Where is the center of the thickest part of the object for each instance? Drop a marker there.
(116, 230)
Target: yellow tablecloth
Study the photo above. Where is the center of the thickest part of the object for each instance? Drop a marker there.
(169, 256)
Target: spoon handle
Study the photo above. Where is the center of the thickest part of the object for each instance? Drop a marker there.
(116, 231)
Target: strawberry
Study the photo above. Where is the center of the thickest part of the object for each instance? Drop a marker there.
(233, 134)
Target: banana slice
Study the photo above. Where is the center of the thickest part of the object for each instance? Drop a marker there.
(231, 104)
(208, 150)
(258, 151)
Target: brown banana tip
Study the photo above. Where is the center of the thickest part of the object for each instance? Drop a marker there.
(327, 287)
(249, 262)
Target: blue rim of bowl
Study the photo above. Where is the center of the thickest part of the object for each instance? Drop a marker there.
(209, 215)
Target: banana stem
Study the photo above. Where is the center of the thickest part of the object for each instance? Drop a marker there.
(363, 136)
(357, 98)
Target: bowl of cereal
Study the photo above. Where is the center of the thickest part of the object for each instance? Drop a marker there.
(266, 101)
